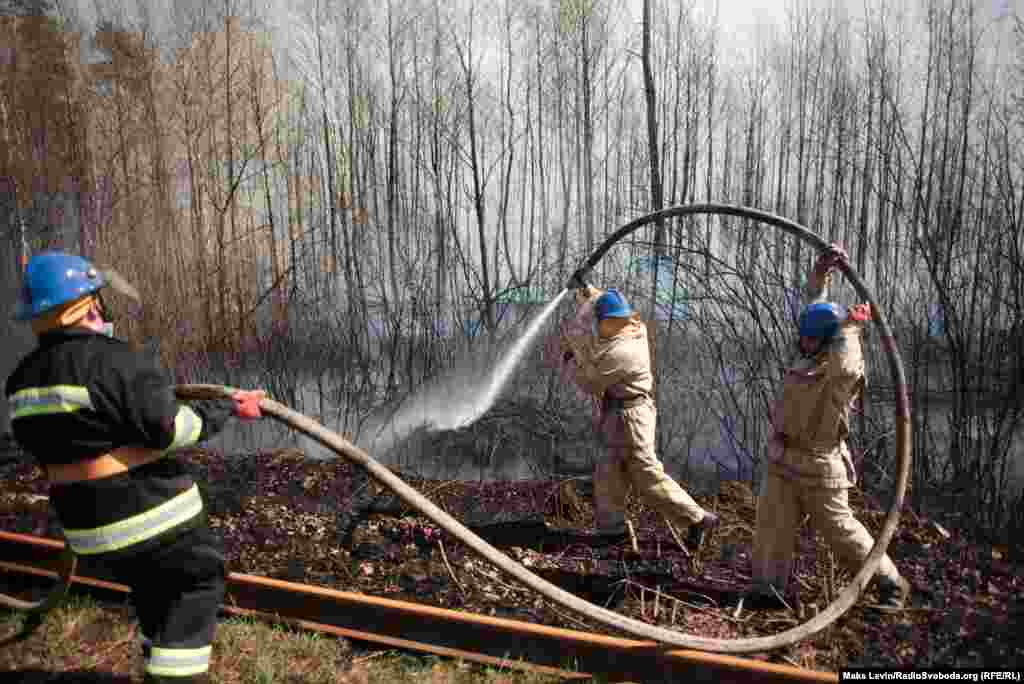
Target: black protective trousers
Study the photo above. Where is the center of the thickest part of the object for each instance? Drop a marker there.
(177, 591)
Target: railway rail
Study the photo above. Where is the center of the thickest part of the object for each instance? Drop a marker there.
(416, 627)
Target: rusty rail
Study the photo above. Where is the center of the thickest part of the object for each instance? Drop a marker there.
(410, 626)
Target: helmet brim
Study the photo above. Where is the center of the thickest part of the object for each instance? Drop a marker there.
(24, 311)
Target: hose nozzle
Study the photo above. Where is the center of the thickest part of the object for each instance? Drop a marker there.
(577, 282)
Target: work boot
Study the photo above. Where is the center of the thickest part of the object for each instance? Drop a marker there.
(699, 530)
(893, 594)
(757, 601)
(345, 524)
(611, 532)
(609, 525)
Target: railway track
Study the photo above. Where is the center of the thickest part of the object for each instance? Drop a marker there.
(427, 629)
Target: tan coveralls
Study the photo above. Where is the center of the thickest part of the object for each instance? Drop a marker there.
(809, 468)
(618, 368)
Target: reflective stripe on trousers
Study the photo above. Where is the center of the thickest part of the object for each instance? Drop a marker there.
(178, 662)
(137, 528)
(177, 590)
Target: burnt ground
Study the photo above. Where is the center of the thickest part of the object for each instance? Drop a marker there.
(283, 516)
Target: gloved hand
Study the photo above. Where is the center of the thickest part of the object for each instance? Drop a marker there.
(563, 341)
(585, 295)
(860, 313)
(564, 348)
(573, 342)
(830, 258)
(247, 403)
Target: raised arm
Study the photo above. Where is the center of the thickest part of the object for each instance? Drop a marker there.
(820, 279)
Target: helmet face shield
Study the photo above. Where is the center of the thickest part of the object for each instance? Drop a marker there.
(120, 285)
(116, 283)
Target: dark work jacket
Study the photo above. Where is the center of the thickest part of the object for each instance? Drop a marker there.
(81, 394)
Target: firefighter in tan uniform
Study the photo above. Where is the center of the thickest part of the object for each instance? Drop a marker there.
(809, 469)
(614, 366)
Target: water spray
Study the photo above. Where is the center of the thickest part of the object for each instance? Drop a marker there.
(473, 400)
(457, 400)
(477, 403)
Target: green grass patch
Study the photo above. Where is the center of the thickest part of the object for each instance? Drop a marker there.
(84, 636)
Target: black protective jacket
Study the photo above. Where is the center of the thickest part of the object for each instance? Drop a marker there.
(81, 394)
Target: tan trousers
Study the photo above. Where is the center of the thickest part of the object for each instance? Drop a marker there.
(780, 509)
(631, 460)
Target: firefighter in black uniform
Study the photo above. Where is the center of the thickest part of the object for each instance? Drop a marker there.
(103, 422)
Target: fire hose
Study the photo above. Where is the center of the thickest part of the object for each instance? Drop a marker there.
(35, 611)
(636, 628)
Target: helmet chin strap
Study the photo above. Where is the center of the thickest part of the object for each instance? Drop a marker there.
(94, 318)
(823, 343)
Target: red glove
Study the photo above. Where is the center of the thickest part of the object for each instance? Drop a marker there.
(247, 403)
(860, 313)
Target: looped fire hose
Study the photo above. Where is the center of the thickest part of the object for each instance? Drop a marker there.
(563, 598)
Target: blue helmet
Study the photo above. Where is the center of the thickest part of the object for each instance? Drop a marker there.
(612, 304)
(820, 320)
(53, 279)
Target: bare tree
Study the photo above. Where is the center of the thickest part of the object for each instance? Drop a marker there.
(650, 97)
(477, 163)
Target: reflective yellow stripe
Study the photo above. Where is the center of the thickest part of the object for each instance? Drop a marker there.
(137, 528)
(38, 401)
(187, 428)
(178, 662)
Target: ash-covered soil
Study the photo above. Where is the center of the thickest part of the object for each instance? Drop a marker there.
(284, 516)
